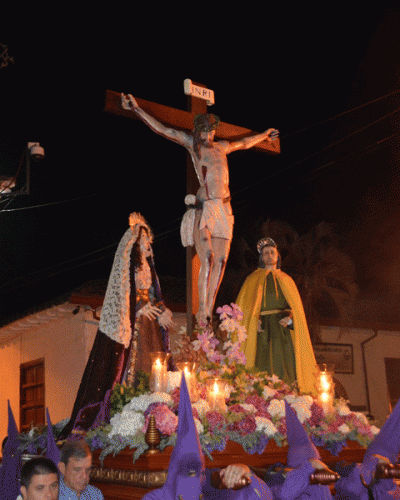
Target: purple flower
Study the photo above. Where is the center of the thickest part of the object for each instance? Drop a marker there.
(260, 445)
(96, 443)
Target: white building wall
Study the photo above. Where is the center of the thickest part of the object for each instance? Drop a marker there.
(378, 345)
(65, 344)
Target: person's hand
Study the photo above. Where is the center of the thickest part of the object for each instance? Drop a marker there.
(128, 102)
(317, 464)
(165, 319)
(232, 474)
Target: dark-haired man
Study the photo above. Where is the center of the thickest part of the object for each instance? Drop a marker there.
(75, 466)
(213, 221)
(39, 480)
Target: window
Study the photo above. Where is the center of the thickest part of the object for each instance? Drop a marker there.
(32, 394)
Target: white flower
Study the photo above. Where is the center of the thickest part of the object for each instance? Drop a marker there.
(126, 423)
(265, 425)
(276, 408)
(290, 398)
(375, 430)
(268, 393)
(344, 429)
(201, 406)
(229, 325)
(361, 417)
(142, 402)
(302, 411)
(275, 379)
(174, 380)
(199, 426)
(228, 390)
(249, 408)
(343, 409)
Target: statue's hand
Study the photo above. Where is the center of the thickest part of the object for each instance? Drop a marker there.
(287, 320)
(165, 319)
(150, 311)
(128, 102)
(272, 134)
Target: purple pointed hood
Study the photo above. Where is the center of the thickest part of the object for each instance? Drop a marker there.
(387, 442)
(186, 471)
(52, 452)
(11, 464)
(301, 448)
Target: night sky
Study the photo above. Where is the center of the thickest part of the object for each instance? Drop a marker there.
(327, 79)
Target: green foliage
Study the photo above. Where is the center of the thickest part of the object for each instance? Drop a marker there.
(123, 394)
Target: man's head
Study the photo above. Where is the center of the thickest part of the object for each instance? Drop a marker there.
(204, 129)
(75, 465)
(39, 479)
(269, 255)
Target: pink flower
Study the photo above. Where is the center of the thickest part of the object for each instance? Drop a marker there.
(257, 401)
(224, 312)
(236, 408)
(215, 420)
(166, 420)
(246, 426)
(214, 356)
(282, 427)
(317, 414)
(237, 313)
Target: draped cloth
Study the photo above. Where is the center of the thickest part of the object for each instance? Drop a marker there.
(250, 300)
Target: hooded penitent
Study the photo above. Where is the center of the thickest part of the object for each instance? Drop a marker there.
(300, 451)
(52, 452)
(186, 471)
(11, 463)
(386, 444)
(187, 478)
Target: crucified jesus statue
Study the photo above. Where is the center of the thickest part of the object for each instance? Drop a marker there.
(213, 224)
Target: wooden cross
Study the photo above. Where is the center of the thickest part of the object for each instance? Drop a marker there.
(183, 120)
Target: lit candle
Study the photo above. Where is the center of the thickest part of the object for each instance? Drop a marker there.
(156, 378)
(216, 395)
(325, 391)
(188, 368)
(158, 375)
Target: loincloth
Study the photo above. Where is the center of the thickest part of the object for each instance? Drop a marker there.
(216, 216)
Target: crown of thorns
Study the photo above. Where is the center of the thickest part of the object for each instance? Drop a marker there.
(265, 242)
(206, 122)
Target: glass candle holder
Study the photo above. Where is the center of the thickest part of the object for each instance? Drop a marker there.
(216, 394)
(158, 375)
(189, 369)
(325, 390)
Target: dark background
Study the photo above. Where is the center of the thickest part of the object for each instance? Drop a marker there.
(326, 77)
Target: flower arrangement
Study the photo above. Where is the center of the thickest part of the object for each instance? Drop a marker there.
(204, 350)
(255, 404)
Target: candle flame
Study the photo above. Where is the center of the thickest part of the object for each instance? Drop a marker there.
(158, 363)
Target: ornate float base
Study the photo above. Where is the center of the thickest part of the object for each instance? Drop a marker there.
(121, 479)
